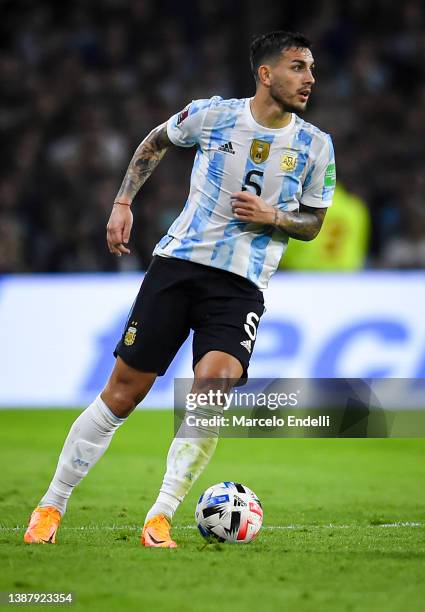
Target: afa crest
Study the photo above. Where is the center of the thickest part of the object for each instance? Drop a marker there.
(130, 334)
(288, 161)
(260, 150)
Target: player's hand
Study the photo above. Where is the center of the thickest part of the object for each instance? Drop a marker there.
(252, 209)
(118, 229)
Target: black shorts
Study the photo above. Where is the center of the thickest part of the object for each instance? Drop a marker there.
(176, 295)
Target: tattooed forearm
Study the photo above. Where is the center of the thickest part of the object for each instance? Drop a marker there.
(302, 225)
(145, 159)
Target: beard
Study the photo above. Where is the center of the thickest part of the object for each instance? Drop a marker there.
(287, 106)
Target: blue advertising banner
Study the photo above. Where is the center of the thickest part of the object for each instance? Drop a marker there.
(57, 333)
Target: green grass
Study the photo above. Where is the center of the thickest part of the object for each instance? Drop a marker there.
(324, 545)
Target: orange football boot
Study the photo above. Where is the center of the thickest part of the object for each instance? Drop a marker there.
(44, 523)
(156, 533)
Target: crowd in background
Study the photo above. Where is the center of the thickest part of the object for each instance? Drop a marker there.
(83, 82)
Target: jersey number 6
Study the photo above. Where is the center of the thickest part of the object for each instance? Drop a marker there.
(250, 326)
(250, 182)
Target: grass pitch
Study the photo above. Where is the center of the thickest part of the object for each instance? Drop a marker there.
(343, 523)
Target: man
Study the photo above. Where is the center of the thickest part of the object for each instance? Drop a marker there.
(261, 174)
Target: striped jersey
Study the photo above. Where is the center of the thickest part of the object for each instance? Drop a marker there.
(287, 166)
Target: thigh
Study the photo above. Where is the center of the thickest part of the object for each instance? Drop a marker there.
(158, 322)
(228, 325)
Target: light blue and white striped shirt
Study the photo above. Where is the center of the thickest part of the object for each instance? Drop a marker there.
(286, 167)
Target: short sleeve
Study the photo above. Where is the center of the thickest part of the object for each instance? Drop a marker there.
(319, 184)
(184, 129)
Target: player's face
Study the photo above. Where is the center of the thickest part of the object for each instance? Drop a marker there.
(291, 79)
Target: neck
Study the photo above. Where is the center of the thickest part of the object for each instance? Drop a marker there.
(267, 111)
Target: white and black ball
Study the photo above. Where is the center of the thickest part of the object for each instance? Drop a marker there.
(229, 512)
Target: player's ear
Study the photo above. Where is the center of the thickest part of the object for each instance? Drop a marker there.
(264, 76)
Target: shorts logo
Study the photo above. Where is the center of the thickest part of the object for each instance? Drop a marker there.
(130, 334)
(247, 344)
(288, 161)
(260, 150)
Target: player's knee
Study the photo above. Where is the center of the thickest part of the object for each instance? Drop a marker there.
(221, 369)
(119, 399)
(122, 396)
(126, 388)
(214, 380)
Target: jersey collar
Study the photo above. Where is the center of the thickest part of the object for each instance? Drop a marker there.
(257, 126)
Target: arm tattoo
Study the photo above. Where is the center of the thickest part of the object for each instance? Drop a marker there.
(145, 159)
(302, 225)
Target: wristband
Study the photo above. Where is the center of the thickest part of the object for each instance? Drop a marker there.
(276, 217)
(122, 203)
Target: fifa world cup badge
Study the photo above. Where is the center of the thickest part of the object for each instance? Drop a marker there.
(260, 150)
(288, 161)
(130, 334)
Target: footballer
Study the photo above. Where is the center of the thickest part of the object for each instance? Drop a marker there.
(261, 175)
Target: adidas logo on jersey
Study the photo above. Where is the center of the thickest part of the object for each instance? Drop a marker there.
(246, 344)
(227, 147)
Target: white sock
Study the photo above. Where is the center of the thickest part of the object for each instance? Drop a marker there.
(186, 460)
(88, 438)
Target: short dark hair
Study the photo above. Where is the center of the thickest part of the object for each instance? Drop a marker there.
(271, 45)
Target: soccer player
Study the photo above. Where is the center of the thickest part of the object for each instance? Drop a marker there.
(261, 174)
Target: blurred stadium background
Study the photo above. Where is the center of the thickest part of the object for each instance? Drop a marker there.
(82, 83)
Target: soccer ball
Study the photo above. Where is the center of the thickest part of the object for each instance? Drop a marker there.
(229, 512)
